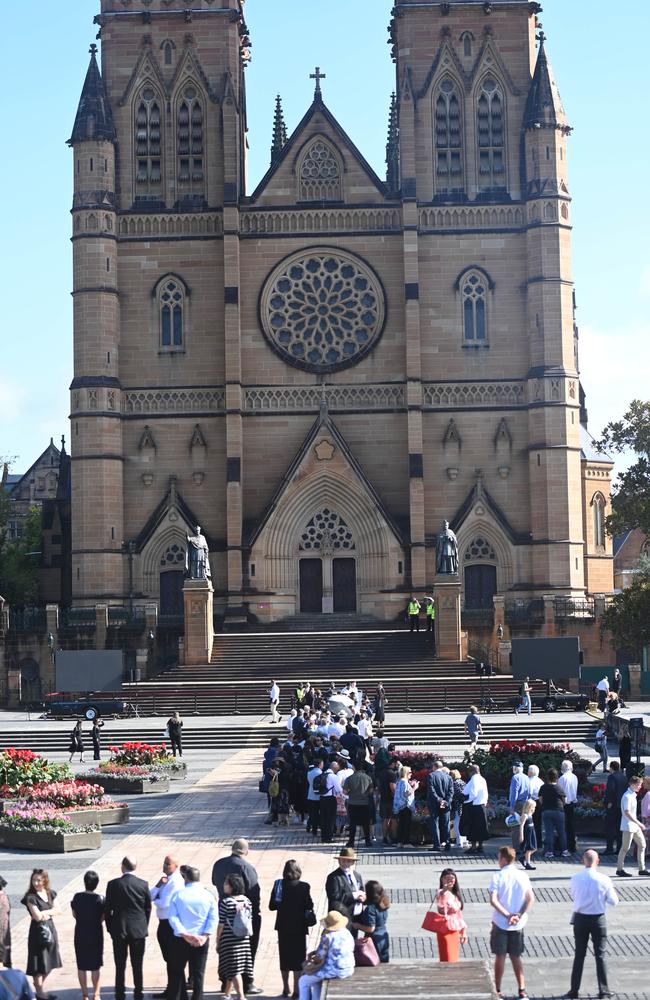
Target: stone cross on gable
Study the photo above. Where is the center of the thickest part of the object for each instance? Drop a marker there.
(317, 76)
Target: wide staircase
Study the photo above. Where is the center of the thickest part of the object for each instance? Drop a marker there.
(344, 648)
(204, 737)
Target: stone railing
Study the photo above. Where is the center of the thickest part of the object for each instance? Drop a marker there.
(282, 399)
(326, 221)
(439, 395)
(471, 217)
(172, 224)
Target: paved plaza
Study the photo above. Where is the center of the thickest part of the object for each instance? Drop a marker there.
(200, 817)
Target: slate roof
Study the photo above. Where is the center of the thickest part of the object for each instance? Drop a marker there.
(94, 116)
(544, 105)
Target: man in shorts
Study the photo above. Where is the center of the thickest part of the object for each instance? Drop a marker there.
(386, 781)
(511, 896)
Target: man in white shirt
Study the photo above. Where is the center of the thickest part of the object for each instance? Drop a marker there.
(511, 896)
(602, 687)
(476, 792)
(170, 882)
(336, 727)
(274, 700)
(327, 805)
(569, 785)
(592, 892)
(633, 831)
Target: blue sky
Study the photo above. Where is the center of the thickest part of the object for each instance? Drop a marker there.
(597, 50)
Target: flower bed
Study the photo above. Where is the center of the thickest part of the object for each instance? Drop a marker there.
(38, 828)
(128, 780)
(496, 761)
(24, 767)
(150, 758)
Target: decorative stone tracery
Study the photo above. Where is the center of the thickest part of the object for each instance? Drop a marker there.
(326, 531)
(322, 310)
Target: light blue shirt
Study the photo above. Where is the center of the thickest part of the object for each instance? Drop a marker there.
(193, 910)
(519, 789)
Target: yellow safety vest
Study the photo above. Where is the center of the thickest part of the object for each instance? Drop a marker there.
(414, 608)
(431, 610)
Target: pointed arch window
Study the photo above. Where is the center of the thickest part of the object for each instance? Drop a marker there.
(171, 305)
(190, 142)
(474, 296)
(598, 504)
(148, 143)
(320, 173)
(491, 137)
(448, 139)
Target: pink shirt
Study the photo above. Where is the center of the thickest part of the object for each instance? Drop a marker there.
(452, 909)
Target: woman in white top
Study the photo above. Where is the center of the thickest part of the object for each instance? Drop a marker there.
(474, 818)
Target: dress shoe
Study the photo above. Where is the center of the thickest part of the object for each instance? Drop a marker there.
(570, 996)
(254, 991)
(644, 871)
(601, 996)
(623, 874)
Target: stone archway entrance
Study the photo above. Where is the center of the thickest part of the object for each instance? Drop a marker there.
(327, 565)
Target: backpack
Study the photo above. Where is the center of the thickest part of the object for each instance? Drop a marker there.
(319, 783)
(241, 924)
(274, 787)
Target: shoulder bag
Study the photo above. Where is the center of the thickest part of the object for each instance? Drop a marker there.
(44, 935)
(365, 953)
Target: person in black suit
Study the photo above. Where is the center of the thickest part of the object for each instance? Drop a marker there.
(345, 887)
(614, 789)
(127, 912)
(292, 900)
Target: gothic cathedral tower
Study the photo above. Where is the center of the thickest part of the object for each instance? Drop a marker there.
(320, 370)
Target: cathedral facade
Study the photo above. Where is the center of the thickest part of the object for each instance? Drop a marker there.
(319, 371)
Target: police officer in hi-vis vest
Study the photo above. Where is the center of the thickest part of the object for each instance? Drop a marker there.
(414, 614)
(431, 622)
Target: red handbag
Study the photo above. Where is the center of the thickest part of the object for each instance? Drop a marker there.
(365, 953)
(435, 922)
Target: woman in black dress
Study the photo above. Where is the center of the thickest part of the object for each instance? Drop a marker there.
(292, 900)
(95, 734)
(88, 912)
(42, 942)
(380, 704)
(5, 926)
(76, 742)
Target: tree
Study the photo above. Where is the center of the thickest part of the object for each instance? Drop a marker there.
(631, 491)
(627, 616)
(19, 559)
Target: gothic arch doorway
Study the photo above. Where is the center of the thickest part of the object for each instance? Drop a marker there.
(327, 565)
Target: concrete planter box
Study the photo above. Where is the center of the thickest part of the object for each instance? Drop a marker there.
(98, 817)
(114, 816)
(55, 843)
(176, 775)
(114, 785)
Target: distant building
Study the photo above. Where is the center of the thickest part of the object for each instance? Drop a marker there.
(628, 549)
(46, 485)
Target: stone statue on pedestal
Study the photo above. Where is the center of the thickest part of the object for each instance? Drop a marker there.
(446, 552)
(197, 557)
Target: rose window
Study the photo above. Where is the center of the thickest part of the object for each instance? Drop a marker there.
(174, 556)
(322, 311)
(326, 530)
(480, 549)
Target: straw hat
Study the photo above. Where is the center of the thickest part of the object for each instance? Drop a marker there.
(334, 921)
(348, 853)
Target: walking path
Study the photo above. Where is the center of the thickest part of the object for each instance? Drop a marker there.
(200, 823)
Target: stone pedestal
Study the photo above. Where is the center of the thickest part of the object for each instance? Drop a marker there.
(199, 628)
(446, 591)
